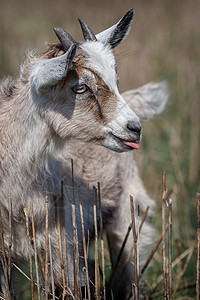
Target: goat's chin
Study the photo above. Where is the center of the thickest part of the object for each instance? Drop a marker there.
(115, 149)
(115, 145)
(118, 144)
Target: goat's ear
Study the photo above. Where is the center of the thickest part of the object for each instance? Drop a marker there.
(149, 100)
(48, 72)
(117, 33)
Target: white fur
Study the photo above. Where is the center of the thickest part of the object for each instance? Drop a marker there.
(116, 124)
(47, 72)
(101, 60)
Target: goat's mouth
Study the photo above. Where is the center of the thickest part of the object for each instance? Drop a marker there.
(126, 145)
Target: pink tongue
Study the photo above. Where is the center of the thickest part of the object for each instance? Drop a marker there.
(132, 145)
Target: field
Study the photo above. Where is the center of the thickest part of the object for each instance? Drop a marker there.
(164, 43)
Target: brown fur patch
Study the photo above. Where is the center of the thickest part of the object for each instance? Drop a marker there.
(53, 50)
(102, 101)
(107, 100)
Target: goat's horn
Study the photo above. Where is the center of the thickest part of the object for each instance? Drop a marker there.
(65, 38)
(87, 32)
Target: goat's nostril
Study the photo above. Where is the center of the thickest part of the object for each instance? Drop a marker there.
(135, 127)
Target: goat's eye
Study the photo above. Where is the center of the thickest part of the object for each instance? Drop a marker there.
(80, 89)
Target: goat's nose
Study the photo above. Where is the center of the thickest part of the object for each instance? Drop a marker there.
(135, 128)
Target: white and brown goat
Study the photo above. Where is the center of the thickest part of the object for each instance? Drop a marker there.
(70, 92)
(57, 98)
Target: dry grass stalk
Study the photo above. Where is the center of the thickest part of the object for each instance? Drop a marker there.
(143, 219)
(24, 274)
(178, 280)
(2, 297)
(163, 235)
(97, 276)
(29, 250)
(78, 270)
(73, 189)
(152, 252)
(174, 264)
(198, 248)
(64, 236)
(88, 232)
(10, 249)
(74, 250)
(3, 259)
(85, 252)
(65, 255)
(136, 288)
(29, 279)
(10, 238)
(35, 252)
(77, 288)
(159, 212)
(46, 250)
(51, 270)
(132, 292)
(76, 256)
(102, 243)
(58, 220)
(170, 249)
(138, 242)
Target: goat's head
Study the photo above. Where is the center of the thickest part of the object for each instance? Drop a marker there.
(78, 93)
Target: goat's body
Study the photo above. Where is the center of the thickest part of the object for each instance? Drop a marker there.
(25, 144)
(118, 177)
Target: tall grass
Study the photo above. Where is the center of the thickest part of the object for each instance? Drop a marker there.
(170, 280)
(164, 43)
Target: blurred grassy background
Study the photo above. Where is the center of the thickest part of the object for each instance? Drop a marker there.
(164, 43)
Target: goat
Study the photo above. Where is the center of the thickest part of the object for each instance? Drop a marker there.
(57, 98)
(40, 123)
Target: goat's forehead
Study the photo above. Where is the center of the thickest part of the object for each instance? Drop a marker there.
(101, 60)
